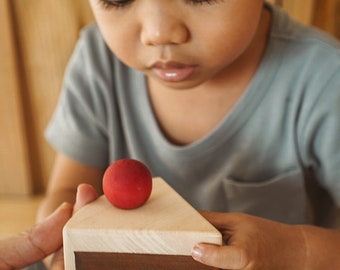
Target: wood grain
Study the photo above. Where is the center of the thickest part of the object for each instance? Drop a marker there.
(165, 225)
(14, 162)
(46, 33)
(302, 10)
(327, 16)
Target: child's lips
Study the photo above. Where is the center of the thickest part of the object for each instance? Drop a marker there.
(173, 71)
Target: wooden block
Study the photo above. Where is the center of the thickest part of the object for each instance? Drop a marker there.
(158, 235)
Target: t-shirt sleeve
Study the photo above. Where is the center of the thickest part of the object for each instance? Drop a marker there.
(77, 128)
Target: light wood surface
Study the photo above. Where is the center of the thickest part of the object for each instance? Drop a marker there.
(302, 10)
(165, 225)
(15, 176)
(17, 214)
(37, 39)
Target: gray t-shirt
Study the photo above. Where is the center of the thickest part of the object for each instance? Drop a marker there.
(282, 135)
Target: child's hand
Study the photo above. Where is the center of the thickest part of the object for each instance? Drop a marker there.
(253, 243)
(85, 194)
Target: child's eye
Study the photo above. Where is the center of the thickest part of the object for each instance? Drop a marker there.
(201, 2)
(122, 3)
(115, 3)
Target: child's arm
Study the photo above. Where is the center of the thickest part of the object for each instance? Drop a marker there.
(258, 244)
(66, 175)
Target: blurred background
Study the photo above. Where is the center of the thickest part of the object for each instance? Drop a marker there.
(37, 39)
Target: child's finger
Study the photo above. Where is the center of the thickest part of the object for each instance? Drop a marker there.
(222, 220)
(85, 194)
(225, 257)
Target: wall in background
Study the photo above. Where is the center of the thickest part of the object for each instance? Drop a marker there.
(37, 38)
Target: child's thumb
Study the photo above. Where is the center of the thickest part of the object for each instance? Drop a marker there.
(225, 257)
(85, 194)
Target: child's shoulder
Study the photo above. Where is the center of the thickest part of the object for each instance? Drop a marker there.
(90, 36)
(90, 30)
(287, 30)
(91, 52)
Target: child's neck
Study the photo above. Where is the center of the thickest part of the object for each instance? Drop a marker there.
(186, 116)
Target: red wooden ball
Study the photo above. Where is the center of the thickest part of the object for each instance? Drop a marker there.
(127, 183)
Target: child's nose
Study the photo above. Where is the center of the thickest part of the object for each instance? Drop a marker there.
(163, 29)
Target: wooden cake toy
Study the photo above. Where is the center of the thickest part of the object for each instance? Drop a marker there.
(157, 232)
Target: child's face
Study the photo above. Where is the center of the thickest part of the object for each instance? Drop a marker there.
(180, 43)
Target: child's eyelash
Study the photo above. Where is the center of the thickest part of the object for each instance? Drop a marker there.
(122, 3)
(107, 4)
(201, 2)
